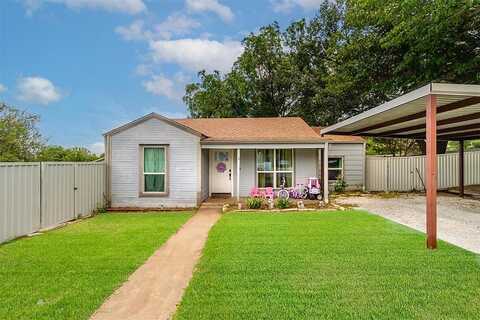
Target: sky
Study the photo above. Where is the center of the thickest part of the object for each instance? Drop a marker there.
(87, 66)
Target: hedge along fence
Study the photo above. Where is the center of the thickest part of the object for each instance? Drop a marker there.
(408, 173)
(36, 195)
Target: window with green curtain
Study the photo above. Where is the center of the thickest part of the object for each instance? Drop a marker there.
(154, 169)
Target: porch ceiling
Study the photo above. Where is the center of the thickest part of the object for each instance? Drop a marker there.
(263, 145)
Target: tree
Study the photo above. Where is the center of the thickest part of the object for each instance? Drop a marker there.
(393, 147)
(388, 48)
(20, 139)
(278, 74)
(59, 153)
(352, 56)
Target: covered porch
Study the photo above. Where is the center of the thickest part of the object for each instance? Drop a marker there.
(234, 170)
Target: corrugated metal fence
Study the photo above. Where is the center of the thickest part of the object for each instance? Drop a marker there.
(38, 195)
(408, 173)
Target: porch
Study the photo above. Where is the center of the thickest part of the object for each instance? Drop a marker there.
(232, 171)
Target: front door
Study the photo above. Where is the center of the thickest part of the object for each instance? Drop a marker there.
(221, 171)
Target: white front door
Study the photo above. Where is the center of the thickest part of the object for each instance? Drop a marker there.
(221, 171)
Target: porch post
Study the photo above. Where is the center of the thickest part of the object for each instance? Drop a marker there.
(431, 165)
(325, 172)
(238, 175)
(461, 168)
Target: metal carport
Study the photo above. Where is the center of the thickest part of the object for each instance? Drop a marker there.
(437, 111)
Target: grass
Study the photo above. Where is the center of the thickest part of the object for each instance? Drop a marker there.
(330, 265)
(67, 273)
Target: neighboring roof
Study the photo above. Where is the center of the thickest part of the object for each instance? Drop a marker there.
(338, 137)
(458, 115)
(149, 116)
(286, 129)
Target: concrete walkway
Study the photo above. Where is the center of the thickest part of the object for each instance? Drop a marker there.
(153, 291)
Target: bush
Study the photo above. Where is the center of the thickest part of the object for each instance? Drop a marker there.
(282, 203)
(254, 203)
(340, 184)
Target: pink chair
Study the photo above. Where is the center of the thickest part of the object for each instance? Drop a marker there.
(269, 193)
(255, 192)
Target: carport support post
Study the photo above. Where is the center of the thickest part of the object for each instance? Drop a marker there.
(431, 165)
(461, 168)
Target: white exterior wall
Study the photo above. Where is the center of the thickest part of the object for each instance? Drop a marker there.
(353, 162)
(247, 172)
(306, 165)
(184, 169)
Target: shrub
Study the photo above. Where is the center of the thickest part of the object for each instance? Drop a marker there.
(340, 184)
(282, 203)
(254, 203)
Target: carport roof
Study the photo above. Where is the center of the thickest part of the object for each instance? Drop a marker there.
(458, 115)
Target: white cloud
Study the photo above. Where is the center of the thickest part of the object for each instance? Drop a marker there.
(2, 88)
(162, 86)
(197, 54)
(124, 6)
(214, 6)
(134, 32)
(143, 70)
(37, 90)
(288, 5)
(175, 24)
(97, 147)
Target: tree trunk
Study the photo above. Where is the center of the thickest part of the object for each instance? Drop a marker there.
(441, 146)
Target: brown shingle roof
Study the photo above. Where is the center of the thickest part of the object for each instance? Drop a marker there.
(288, 129)
(339, 138)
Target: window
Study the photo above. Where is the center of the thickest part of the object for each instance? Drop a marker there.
(335, 168)
(274, 167)
(154, 165)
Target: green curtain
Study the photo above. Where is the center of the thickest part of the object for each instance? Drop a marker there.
(154, 160)
(154, 183)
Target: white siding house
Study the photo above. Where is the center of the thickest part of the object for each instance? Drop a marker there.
(155, 162)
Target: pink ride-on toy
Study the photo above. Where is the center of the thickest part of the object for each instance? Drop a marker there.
(313, 189)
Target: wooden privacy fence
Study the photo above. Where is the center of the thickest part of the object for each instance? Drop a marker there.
(36, 195)
(408, 173)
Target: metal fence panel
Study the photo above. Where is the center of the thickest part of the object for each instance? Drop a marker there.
(19, 199)
(43, 195)
(58, 201)
(89, 188)
(408, 173)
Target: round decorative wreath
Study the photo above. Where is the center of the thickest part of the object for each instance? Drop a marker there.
(221, 167)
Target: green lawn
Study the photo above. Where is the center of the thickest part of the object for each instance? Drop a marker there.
(331, 265)
(67, 273)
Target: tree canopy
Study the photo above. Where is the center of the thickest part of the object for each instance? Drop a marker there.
(352, 56)
(20, 140)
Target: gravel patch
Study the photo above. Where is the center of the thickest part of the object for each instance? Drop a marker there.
(458, 219)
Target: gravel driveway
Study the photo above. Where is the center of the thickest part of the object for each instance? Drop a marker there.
(458, 219)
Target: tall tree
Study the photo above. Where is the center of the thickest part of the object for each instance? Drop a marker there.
(20, 139)
(278, 74)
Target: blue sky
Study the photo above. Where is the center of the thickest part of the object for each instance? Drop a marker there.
(86, 66)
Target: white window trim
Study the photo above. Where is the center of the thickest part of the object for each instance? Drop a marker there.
(275, 168)
(341, 168)
(142, 172)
